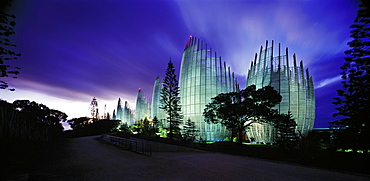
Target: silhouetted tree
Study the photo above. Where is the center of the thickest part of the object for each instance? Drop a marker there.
(94, 109)
(7, 53)
(155, 121)
(238, 110)
(114, 115)
(170, 100)
(354, 98)
(156, 124)
(85, 126)
(285, 125)
(146, 127)
(108, 116)
(189, 130)
(29, 120)
(79, 123)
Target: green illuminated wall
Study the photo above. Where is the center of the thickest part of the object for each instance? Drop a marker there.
(294, 84)
(202, 76)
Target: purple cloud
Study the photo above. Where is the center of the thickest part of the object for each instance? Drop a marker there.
(75, 50)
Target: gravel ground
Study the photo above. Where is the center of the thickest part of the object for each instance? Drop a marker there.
(88, 159)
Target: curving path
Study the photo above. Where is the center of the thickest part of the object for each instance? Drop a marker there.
(88, 159)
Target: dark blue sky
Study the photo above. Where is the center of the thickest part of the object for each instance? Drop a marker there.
(75, 50)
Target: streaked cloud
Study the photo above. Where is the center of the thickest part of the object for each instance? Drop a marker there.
(327, 81)
(76, 50)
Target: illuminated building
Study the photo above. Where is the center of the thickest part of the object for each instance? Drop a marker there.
(294, 85)
(142, 107)
(128, 115)
(156, 96)
(124, 113)
(119, 113)
(203, 76)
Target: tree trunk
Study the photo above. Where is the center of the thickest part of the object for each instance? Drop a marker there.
(240, 136)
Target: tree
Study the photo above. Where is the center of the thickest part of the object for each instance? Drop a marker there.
(170, 100)
(29, 120)
(238, 110)
(156, 125)
(85, 126)
(155, 121)
(7, 24)
(353, 103)
(94, 109)
(189, 130)
(147, 127)
(285, 125)
(124, 128)
(114, 117)
(78, 123)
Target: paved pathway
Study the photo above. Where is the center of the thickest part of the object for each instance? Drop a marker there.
(88, 159)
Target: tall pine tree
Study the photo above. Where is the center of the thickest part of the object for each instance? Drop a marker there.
(353, 102)
(170, 100)
(287, 136)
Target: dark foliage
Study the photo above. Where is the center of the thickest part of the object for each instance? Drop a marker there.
(189, 130)
(170, 100)
(7, 53)
(238, 110)
(124, 128)
(79, 123)
(352, 131)
(84, 126)
(145, 127)
(29, 120)
(285, 125)
(155, 122)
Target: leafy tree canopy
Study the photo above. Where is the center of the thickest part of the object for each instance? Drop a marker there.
(39, 112)
(238, 110)
(26, 119)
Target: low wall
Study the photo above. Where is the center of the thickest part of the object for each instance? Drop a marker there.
(162, 147)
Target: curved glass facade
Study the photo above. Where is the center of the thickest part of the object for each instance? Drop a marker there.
(292, 82)
(142, 107)
(156, 97)
(128, 116)
(119, 114)
(203, 76)
(124, 113)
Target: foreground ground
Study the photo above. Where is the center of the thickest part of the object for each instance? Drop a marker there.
(89, 159)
